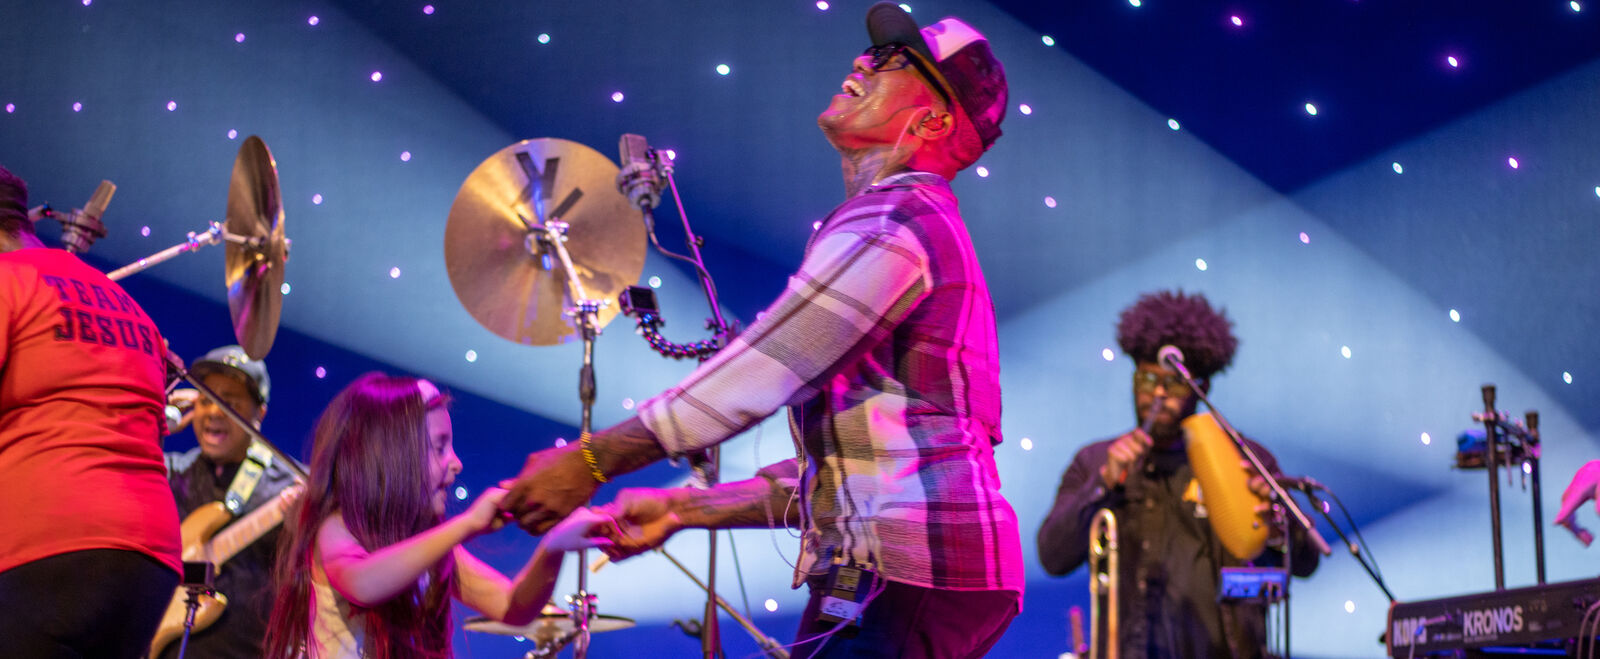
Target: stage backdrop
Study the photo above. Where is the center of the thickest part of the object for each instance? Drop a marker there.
(1371, 304)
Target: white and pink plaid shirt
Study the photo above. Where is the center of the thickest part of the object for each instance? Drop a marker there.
(883, 347)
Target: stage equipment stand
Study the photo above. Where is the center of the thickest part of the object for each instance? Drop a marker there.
(1504, 442)
(641, 178)
(535, 246)
(1173, 359)
(585, 313)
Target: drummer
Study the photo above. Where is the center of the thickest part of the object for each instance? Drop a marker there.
(89, 555)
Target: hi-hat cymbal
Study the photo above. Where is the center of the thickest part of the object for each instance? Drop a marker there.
(521, 294)
(254, 271)
(551, 625)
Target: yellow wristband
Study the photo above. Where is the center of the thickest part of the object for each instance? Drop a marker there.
(588, 457)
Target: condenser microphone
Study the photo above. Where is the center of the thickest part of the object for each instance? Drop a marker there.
(80, 228)
(1171, 357)
(638, 179)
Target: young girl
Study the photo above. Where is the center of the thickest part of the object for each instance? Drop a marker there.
(365, 566)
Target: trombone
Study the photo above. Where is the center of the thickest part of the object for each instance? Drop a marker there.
(1103, 637)
(1103, 565)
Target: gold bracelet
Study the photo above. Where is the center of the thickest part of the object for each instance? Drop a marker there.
(588, 457)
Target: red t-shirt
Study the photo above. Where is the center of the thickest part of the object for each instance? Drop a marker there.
(81, 409)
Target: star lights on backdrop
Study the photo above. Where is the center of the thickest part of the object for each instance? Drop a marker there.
(1454, 61)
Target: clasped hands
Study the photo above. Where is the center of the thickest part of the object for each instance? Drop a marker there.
(556, 482)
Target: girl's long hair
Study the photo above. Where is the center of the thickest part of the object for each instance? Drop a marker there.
(369, 462)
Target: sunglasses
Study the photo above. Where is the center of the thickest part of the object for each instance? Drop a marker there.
(883, 55)
(1145, 382)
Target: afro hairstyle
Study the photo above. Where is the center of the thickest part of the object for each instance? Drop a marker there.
(1205, 335)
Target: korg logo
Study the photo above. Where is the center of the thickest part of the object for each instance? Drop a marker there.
(1409, 631)
(1491, 622)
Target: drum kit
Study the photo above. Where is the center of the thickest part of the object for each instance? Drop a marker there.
(253, 268)
(542, 239)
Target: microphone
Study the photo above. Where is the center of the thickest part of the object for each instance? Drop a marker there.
(1305, 484)
(638, 179)
(1171, 357)
(80, 228)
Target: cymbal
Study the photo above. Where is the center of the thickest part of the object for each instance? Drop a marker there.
(551, 625)
(516, 287)
(254, 272)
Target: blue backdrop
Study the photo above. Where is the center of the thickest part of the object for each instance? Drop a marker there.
(1372, 298)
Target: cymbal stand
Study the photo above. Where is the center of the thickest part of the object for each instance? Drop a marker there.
(585, 312)
(769, 646)
(238, 420)
(706, 464)
(211, 236)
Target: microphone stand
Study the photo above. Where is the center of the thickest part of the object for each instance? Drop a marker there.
(1355, 549)
(1278, 492)
(710, 468)
(238, 419)
(707, 465)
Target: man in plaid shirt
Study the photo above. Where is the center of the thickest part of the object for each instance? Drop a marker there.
(883, 348)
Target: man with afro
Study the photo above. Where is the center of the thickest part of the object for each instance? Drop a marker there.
(1170, 559)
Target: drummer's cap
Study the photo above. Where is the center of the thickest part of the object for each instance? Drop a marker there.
(13, 203)
(233, 362)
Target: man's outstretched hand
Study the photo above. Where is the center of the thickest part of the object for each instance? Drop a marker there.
(553, 483)
(1585, 487)
(645, 520)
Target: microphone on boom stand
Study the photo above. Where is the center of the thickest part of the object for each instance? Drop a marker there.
(81, 227)
(638, 179)
(642, 178)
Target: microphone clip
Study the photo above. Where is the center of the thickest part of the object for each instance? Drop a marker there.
(641, 183)
(79, 230)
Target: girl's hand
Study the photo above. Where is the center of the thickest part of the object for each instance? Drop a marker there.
(484, 515)
(583, 529)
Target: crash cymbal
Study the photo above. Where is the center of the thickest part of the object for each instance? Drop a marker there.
(551, 625)
(521, 294)
(254, 270)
